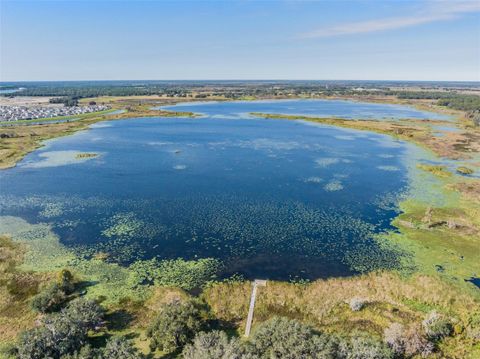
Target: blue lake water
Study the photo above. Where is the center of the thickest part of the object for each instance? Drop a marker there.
(270, 198)
(320, 108)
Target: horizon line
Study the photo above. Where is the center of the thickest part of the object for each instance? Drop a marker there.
(244, 80)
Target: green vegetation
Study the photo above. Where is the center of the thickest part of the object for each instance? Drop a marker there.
(179, 273)
(67, 101)
(49, 300)
(175, 326)
(86, 155)
(61, 333)
(437, 170)
(465, 170)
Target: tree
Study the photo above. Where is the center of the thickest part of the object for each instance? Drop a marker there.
(118, 347)
(65, 281)
(175, 326)
(86, 313)
(362, 347)
(213, 345)
(50, 299)
(61, 333)
(285, 338)
(436, 326)
(58, 336)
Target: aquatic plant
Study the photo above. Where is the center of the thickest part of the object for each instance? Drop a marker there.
(333, 186)
(178, 272)
(327, 161)
(124, 225)
(83, 155)
(465, 170)
(389, 168)
(438, 170)
(313, 179)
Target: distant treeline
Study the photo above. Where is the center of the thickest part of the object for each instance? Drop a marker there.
(95, 91)
(69, 93)
(449, 99)
(67, 101)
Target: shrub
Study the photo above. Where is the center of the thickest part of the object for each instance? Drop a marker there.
(357, 304)
(394, 337)
(58, 336)
(85, 352)
(285, 338)
(436, 326)
(213, 345)
(86, 313)
(175, 326)
(117, 348)
(65, 281)
(49, 300)
(361, 347)
(417, 344)
(61, 333)
(409, 342)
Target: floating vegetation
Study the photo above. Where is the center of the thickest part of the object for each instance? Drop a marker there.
(232, 229)
(333, 186)
(51, 210)
(124, 225)
(179, 167)
(187, 275)
(45, 251)
(386, 155)
(388, 168)
(465, 170)
(55, 159)
(327, 161)
(437, 170)
(86, 155)
(313, 179)
(345, 137)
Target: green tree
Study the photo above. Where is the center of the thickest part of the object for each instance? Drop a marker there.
(50, 299)
(213, 345)
(289, 339)
(175, 326)
(118, 347)
(61, 333)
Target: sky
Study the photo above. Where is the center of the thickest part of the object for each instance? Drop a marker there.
(240, 39)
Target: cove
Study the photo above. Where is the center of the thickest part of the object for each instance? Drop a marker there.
(270, 199)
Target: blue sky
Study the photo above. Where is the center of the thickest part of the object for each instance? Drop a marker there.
(244, 39)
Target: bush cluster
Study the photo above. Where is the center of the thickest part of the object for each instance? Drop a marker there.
(437, 326)
(61, 333)
(282, 338)
(52, 298)
(176, 325)
(357, 304)
(407, 342)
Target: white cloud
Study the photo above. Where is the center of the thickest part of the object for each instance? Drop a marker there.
(436, 11)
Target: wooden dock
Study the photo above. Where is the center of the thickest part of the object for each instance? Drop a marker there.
(256, 283)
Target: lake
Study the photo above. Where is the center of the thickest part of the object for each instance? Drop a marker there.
(271, 199)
